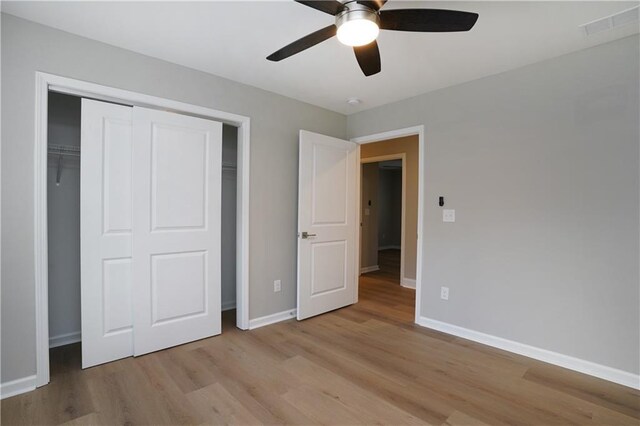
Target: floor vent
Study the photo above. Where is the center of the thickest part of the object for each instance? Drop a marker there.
(612, 21)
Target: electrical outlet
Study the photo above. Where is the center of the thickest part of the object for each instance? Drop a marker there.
(444, 293)
(277, 286)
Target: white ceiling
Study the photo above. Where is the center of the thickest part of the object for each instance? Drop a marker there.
(232, 39)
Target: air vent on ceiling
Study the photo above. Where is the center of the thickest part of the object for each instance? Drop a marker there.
(612, 21)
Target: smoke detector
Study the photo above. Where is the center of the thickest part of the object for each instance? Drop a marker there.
(354, 101)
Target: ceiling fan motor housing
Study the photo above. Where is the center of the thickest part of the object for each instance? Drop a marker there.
(354, 11)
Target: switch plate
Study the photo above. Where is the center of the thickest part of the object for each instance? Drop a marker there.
(277, 286)
(444, 293)
(367, 212)
(448, 215)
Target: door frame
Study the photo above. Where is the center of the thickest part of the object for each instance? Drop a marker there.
(49, 82)
(402, 157)
(394, 134)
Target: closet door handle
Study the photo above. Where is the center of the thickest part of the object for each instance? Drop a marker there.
(306, 235)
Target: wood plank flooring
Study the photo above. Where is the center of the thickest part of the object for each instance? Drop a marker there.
(365, 364)
(389, 264)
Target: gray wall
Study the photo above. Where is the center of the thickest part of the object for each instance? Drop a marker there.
(390, 208)
(63, 203)
(275, 123)
(541, 165)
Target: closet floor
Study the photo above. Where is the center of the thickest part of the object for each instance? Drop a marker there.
(367, 363)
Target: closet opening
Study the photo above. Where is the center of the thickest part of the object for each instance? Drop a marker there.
(229, 214)
(66, 185)
(63, 225)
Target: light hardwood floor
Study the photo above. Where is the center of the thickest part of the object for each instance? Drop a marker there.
(389, 264)
(364, 364)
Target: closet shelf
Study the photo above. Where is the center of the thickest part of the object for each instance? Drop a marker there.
(75, 152)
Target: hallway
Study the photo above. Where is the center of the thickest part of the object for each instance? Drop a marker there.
(389, 263)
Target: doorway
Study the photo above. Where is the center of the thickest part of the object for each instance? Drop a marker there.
(329, 209)
(389, 209)
(400, 152)
(382, 216)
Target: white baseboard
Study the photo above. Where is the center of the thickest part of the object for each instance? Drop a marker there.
(408, 282)
(65, 339)
(16, 387)
(272, 319)
(369, 269)
(389, 248)
(587, 367)
(228, 305)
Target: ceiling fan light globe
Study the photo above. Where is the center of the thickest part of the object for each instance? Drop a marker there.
(358, 32)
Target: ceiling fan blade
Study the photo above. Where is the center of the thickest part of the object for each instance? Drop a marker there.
(303, 43)
(368, 57)
(332, 7)
(427, 20)
(373, 4)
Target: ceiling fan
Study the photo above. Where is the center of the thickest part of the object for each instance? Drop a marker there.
(358, 23)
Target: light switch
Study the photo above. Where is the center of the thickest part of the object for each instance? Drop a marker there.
(448, 215)
(367, 212)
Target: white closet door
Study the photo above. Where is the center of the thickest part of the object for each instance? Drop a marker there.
(327, 224)
(176, 243)
(105, 223)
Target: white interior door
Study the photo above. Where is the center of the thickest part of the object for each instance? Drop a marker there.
(176, 243)
(327, 224)
(105, 223)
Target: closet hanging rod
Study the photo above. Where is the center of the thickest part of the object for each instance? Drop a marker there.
(75, 151)
(64, 150)
(228, 166)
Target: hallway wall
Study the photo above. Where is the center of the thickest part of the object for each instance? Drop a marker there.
(390, 211)
(369, 217)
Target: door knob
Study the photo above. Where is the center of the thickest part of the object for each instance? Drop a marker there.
(306, 235)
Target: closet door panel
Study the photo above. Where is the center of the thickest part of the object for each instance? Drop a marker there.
(106, 232)
(179, 170)
(176, 242)
(117, 176)
(117, 297)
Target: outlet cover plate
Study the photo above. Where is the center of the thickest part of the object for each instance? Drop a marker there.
(444, 293)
